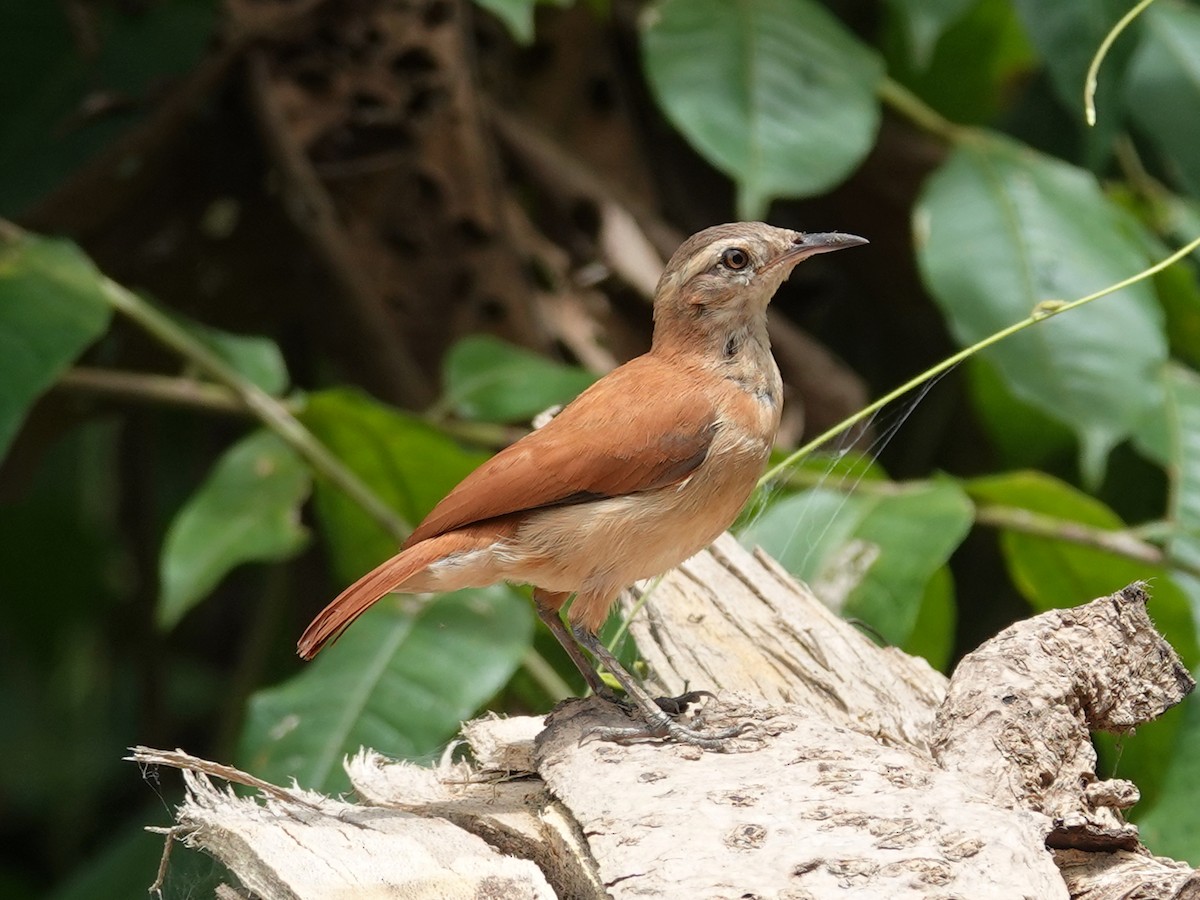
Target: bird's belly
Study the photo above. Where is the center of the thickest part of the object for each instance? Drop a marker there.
(602, 546)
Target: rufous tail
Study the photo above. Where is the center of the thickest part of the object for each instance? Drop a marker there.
(358, 598)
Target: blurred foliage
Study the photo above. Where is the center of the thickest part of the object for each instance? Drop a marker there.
(159, 558)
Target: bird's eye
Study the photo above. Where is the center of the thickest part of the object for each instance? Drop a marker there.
(735, 259)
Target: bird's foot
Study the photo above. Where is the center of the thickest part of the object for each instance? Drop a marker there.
(667, 729)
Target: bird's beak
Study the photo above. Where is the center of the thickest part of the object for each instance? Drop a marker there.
(806, 245)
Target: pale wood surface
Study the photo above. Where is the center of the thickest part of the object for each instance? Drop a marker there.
(865, 774)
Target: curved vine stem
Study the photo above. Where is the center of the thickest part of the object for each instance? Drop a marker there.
(1047, 309)
(1089, 84)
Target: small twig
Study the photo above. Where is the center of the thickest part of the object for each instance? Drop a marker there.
(146, 387)
(179, 759)
(209, 397)
(1121, 543)
(171, 835)
(910, 106)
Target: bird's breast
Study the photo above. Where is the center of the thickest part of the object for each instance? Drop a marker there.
(606, 544)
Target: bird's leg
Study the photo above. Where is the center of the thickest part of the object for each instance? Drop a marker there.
(548, 605)
(659, 723)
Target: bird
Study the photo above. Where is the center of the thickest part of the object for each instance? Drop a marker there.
(642, 470)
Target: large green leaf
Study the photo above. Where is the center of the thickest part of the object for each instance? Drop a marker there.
(932, 634)
(409, 464)
(1163, 87)
(1182, 418)
(775, 93)
(1001, 229)
(1170, 436)
(52, 306)
(398, 682)
(248, 509)
(1053, 573)
(1172, 826)
(1178, 286)
(487, 379)
(871, 554)
(1021, 435)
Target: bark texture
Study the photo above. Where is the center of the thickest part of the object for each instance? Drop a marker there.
(864, 774)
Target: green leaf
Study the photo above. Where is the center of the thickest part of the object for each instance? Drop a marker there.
(1053, 574)
(52, 306)
(916, 530)
(257, 358)
(247, 510)
(932, 635)
(1163, 87)
(925, 21)
(1172, 826)
(409, 464)
(1182, 411)
(871, 554)
(487, 379)
(1001, 229)
(970, 75)
(777, 94)
(1022, 436)
(1179, 293)
(397, 682)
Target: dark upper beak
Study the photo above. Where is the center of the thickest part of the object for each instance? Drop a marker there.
(806, 245)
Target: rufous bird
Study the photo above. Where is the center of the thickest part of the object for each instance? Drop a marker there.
(642, 470)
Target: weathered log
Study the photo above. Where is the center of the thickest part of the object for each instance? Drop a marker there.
(863, 774)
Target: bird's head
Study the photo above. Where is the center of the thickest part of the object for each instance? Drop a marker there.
(726, 275)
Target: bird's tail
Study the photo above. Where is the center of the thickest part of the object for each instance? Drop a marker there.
(359, 597)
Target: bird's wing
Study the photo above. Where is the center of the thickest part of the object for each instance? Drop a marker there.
(643, 426)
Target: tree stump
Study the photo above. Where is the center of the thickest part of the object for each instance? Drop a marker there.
(865, 773)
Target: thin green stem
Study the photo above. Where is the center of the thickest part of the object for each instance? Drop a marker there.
(1089, 83)
(546, 677)
(920, 113)
(1126, 542)
(615, 640)
(268, 410)
(206, 396)
(148, 387)
(1044, 310)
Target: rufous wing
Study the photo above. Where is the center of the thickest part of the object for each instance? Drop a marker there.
(645, 425)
